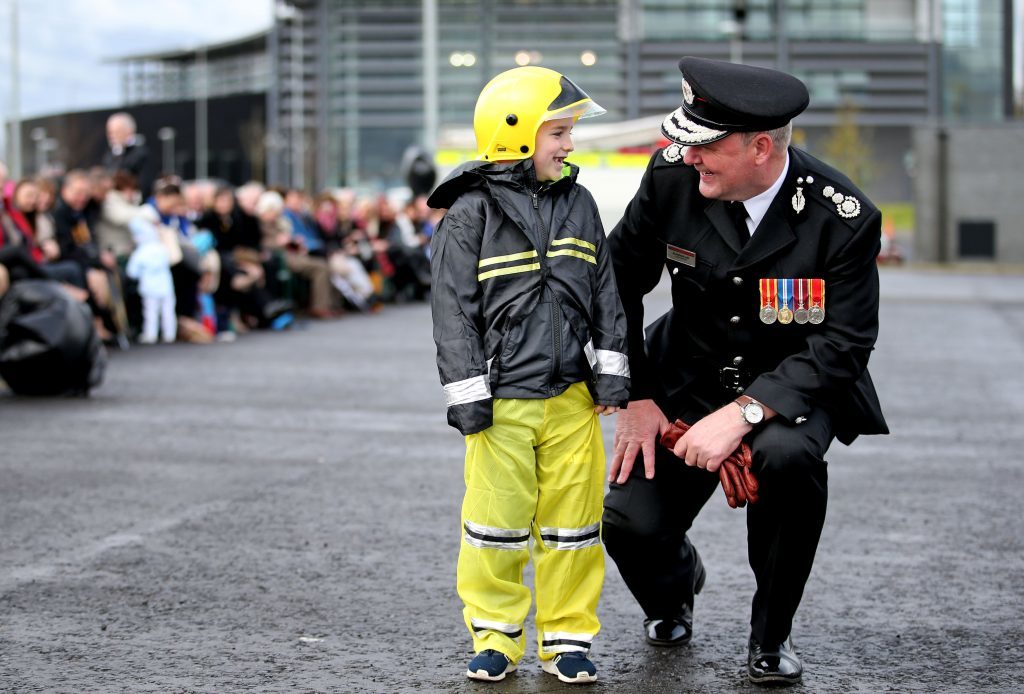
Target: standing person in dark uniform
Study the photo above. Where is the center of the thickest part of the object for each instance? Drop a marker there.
(774, 314)
(127, 152)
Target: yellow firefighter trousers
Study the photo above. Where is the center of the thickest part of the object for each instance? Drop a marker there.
(537, 471)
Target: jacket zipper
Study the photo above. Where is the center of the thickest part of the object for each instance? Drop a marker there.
(556, 318)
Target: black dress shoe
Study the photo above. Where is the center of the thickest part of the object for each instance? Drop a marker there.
(677, 630)
(773, 665)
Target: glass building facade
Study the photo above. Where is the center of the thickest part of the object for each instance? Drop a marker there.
(973, 59)
(345, 79)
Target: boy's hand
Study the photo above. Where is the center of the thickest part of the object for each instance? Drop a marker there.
(605, 409)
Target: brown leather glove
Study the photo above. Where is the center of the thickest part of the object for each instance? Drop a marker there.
(738, 481)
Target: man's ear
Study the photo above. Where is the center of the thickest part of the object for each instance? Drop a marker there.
(763, 148)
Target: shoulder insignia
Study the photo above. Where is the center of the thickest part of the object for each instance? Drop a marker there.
(847, 206)
(672, 153)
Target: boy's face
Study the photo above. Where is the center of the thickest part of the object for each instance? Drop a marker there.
(554, 142)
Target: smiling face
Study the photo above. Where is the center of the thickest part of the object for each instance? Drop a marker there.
(554, 143)
(729, 168)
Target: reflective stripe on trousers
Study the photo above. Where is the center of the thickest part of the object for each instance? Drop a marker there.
(538, 471)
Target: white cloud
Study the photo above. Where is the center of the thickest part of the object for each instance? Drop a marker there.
(64, 44)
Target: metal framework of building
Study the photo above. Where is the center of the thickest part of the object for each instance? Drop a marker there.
(349, 84)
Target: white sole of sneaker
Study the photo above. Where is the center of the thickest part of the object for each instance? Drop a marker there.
(483, 676)
(581, 678)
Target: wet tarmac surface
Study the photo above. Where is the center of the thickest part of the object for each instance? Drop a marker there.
(281, 515)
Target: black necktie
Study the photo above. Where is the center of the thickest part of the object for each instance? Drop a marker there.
(738, 215)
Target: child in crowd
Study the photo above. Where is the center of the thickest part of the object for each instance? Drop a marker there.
(531, 346)
(150, 265)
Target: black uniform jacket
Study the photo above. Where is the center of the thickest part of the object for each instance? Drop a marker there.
(523, 292)
(714, 324)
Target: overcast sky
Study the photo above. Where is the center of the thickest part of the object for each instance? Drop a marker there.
(64, 43)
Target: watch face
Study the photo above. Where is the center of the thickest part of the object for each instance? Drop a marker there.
(753, 413)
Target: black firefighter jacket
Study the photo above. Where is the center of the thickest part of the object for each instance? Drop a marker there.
(711, 345)
(523, 292)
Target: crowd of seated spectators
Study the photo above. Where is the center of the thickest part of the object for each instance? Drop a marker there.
(241, 258)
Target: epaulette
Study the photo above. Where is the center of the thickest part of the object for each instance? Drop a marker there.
(836, 197)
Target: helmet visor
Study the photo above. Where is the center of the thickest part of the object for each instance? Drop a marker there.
(572, 102)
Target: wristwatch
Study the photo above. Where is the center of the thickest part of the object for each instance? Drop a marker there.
(752, 411)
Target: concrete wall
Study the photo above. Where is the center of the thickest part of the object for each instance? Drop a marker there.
(966, 174)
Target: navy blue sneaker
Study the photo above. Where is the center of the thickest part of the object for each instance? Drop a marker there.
(490, 665)
(573, 667)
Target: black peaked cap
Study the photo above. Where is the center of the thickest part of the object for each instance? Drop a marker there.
(720, 97)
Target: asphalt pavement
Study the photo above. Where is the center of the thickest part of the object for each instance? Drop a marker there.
(280, 514)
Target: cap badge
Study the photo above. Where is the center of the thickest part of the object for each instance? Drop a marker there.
(672, 153)
(687, 93)
(847, 206)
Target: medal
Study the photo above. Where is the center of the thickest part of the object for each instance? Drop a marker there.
(800, 315)
(768, 312)
(816, 314)
(785, 301)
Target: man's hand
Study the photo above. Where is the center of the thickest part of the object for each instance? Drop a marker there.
(636, 431)
(605, 409)
(735, 473)
(713, 438)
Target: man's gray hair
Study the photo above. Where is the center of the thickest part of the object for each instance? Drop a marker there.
(780, 136)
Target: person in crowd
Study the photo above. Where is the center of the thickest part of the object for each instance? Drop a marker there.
(75, 216)
(304, 228)
(244, 229)
(198, 199)
(410, 219)
(531, 347)
(46, 233)
(277, 239)
(348, 275)
(190, 263)
(20, 255)
(150, 266)
(411, 271)
(127, 152)
(242, 294)
(771, 255)
(121, 204)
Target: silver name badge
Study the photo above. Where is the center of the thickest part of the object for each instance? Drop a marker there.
(681, 255)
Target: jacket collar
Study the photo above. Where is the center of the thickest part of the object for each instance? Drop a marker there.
(476, 174)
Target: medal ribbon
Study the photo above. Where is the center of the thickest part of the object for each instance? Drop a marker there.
(800, 293)
(769, 289)
(786, 293)
(818, 293)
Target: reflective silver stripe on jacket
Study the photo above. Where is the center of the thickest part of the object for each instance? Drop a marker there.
(512, 631)
(572, 538)
(487, 537)
(604, 361)
(563, 641)
(467, 390)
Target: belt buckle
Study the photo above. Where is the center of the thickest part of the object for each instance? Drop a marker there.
(731, 378)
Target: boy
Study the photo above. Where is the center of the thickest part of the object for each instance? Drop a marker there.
(531, 347)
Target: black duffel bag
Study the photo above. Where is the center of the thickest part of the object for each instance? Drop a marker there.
(48, 345)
